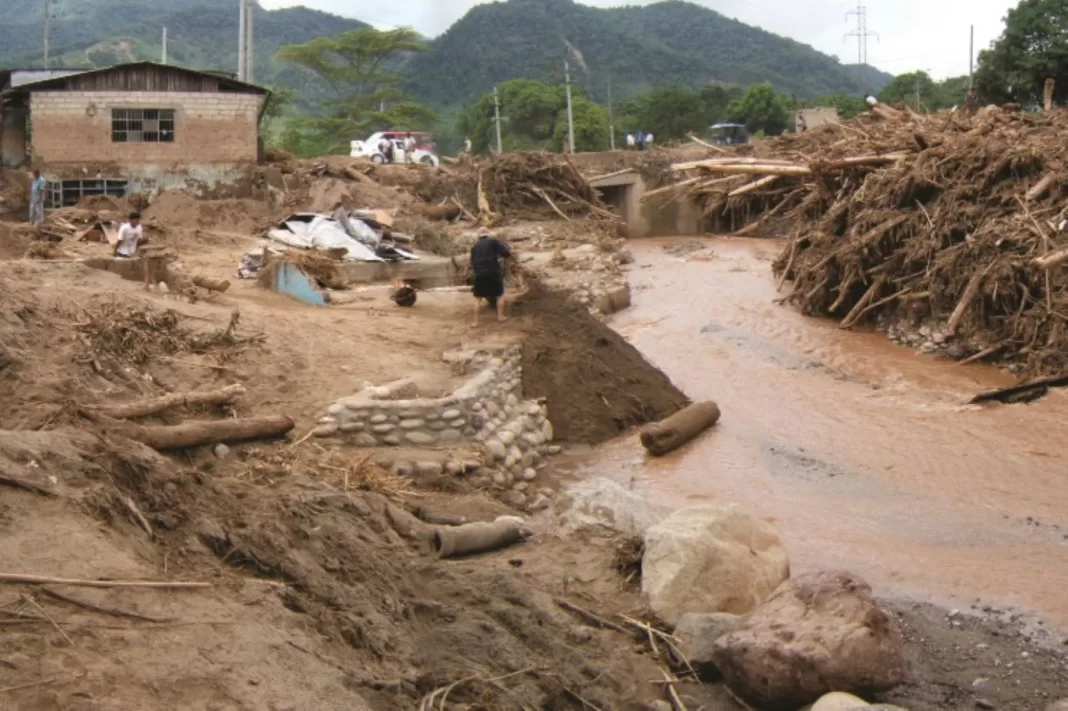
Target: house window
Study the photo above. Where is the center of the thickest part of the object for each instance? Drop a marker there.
(142, 125)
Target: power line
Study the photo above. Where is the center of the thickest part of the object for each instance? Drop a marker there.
(47, 31)
(861, 33)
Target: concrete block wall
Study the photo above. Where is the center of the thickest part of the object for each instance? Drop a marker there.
(75, 127)
(489, 408)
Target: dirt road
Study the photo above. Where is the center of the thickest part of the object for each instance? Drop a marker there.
(861, 452)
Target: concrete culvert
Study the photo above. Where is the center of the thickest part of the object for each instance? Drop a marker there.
(669, 434)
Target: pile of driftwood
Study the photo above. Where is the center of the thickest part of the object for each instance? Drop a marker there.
(954, 219)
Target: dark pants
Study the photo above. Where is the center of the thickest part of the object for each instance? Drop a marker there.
(489, 287)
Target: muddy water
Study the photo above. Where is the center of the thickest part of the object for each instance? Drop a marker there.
(860, 452)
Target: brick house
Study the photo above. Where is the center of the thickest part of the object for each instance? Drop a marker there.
(140, 126)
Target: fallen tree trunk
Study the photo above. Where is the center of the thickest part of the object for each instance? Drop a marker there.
(219, 285)
(195, 434)
(166, 402)
(1053, 259)
(669, 434)
(453, 542)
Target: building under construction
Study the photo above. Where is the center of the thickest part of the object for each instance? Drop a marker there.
(142, 125)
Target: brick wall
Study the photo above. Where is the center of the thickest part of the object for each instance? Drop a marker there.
(75, 127)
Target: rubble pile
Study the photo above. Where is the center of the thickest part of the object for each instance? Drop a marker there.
(951, 221)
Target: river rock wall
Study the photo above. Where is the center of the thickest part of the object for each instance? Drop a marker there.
(488, 408)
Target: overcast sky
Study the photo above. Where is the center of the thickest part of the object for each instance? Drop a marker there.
(913, 34)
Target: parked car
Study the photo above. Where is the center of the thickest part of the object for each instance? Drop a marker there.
(424, 152)
(729, 134)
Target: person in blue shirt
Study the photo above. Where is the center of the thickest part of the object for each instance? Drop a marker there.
(37, 196)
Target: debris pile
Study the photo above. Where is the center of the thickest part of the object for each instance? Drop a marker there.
(952, 219)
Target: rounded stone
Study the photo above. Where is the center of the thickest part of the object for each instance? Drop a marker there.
(516, 499)
(450, 436)
(469, 432)
(431, 416)
(492, 408)
(382, 429)
(378, 419)
(532, 438)
(478, 407)
(411, 424)
(336, 409)
(506, 436)
(392, 440)
(222, 451)
(327, 420)
(499, 478)
(453, 468)
(437, 425)
(530, 474)
(365, 440)
(428, 468)
(379, 393)
(527, 460)
(394, 419)
(554, 449)
(510, 461)
(515, 451)
(451, 414)
(534, 409)
(547, 431)
(325, 430)
(352, 427)
(403, 468)
(458, 422)
(421, 438)
(520, 486)
(496, 449)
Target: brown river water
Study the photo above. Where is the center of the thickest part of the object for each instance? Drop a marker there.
(861, 453)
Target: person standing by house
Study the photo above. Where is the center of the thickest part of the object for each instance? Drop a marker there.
(486, 258)
(37, 196)
(630, 141)
(649, 140)
(640, 140)
(468, 148)
(131, 235)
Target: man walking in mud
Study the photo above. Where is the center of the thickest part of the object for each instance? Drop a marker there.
(486, 258)
(37, 197)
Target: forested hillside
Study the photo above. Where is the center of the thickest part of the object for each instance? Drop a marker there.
(201, 34)
(666, 43)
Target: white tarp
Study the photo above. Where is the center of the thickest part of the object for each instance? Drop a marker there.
(308, 231)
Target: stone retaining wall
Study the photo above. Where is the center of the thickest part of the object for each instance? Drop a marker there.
(488, 408)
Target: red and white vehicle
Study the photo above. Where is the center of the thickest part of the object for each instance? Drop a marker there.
(424, 152)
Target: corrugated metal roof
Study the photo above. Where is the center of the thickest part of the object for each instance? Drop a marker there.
(29, 82)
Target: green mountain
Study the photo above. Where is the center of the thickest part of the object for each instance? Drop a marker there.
(201, 34)
(635, 47)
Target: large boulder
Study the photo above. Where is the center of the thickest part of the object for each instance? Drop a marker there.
(711, 559)
(602, 503)
(818, 633)
(840, 701)
(696, 632)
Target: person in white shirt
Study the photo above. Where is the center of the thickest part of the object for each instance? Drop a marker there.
(649, 140)
(630, 141)
(409, 148)
(131, 235)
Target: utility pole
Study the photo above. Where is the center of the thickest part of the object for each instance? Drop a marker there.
(164, 45)
(241, 24)
(250, 47)
(611, 120)
(47, 31)
(971, 61)
(570, 114)
(497, 120)
(861, 33)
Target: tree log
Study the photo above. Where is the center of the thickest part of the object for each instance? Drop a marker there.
(755, 185)
(219, 285)
(195, 434)
(1053, 259)
(669, 434)
(1041, 187)
(965, 301)
(131, 410)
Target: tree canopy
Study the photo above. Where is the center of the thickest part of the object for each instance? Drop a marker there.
(1033, 48)
(762, 109)
(918, 91)
(673, 112)
(535, 117)
(367, 96)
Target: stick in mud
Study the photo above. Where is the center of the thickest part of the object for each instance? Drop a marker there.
(20, 579)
